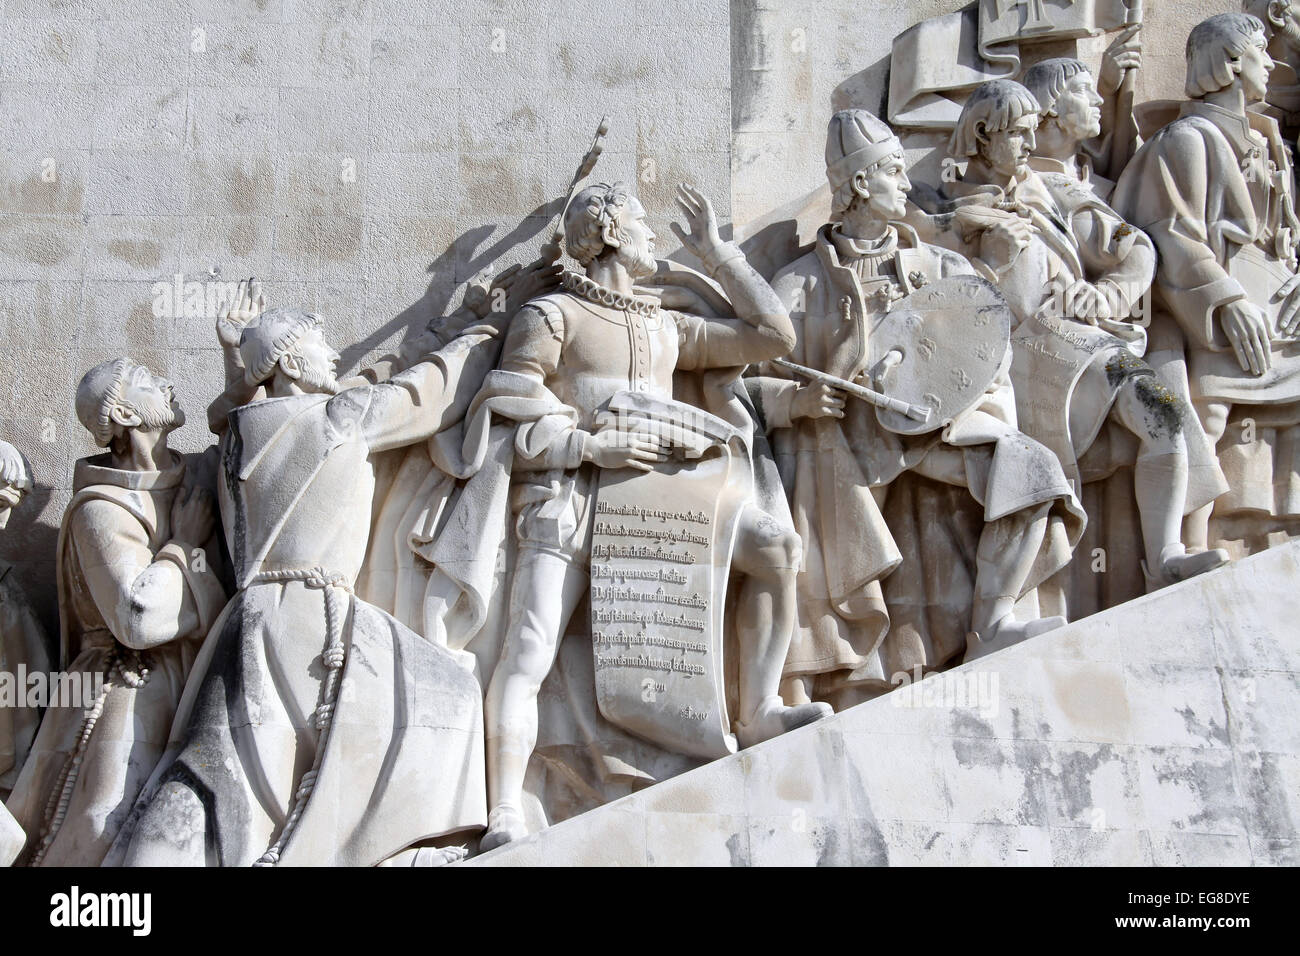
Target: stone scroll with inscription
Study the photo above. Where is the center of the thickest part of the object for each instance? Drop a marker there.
(660, 556)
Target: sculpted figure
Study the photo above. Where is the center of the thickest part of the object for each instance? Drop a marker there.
(1214, 190)
(318, 729)
(1072, 116)
(566, 356)
(22, 638)
(1074, 272)
(839, 461)
(137, 592)
(1281, 22)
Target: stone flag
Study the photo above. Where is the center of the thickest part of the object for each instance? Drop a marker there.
(937, 62)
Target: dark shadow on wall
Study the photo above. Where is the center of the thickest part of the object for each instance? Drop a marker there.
(29, 545)
(856, 92)
(459, 262)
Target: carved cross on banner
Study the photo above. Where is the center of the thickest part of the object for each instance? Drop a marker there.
(1036, 20)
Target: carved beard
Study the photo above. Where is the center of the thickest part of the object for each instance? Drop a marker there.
(1291, 33)
(319, 380)
(155, 417)
(639, 263)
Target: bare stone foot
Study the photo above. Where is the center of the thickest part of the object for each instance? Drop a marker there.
(505, 823)
(774, 718)
(1007, 633)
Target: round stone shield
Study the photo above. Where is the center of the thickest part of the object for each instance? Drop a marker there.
(952, 335)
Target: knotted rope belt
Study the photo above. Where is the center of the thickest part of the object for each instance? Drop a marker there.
(335, 587)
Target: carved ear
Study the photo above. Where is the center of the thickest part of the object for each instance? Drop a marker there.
(981, 132)
(1277, 10)
(124, 415)
(609, 233)
(860, 184)
(290, 365)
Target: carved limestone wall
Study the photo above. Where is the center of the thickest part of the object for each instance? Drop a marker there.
(362, 157)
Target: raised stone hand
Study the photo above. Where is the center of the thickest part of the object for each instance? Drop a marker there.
(703, 239)
(247, 304)
(1246, 329)
(817, 400)
(511, 288)
(1121, 56)
(192, 515)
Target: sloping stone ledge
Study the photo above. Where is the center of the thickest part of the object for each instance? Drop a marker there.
(1165, 731)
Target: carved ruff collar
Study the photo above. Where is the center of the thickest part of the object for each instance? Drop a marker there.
(580, 285)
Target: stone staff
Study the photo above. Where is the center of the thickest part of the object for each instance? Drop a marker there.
(917, 413)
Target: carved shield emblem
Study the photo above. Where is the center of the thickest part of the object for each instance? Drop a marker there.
(947, 342)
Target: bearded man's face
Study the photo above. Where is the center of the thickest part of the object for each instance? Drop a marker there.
(636, 249)
(318, 364)
(153, 398)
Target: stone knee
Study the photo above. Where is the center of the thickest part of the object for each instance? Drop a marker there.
(765, 548)
(173, 830)
(1155, 415)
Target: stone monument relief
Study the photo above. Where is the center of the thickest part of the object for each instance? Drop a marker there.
(530, 479)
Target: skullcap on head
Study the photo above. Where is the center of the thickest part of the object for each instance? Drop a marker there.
(856, 140)
(269, 337)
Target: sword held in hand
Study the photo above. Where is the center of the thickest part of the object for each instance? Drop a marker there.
(917, 413)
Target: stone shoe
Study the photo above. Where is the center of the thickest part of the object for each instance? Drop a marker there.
(1009, 632)
(774, 718)
(1180, 567)
(505, 824)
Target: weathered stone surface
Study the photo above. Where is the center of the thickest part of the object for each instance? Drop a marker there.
(1130, 762)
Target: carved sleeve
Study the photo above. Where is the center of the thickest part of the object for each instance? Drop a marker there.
(762, 331)
(1118, 258)
(1168, 191)
(533, 348)
(146, 599)
(428, 397)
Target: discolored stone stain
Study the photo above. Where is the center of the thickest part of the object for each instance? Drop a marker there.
(1075, 779)
(967, 724)
(144, 253)
(1165, 411)
(43, 249)
(1193, 724)
(1098, 702)
(247, 191)
(977, 752)
(36, 195)
(1030, 762)
(248, 56)
(738, 848)
(1267, 790)
(565, 53)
